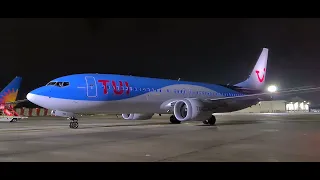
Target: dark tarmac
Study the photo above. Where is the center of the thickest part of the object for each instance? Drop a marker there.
(249, 138)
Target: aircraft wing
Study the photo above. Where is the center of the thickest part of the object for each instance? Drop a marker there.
(168, 105)
(261, 95)
(17, 102)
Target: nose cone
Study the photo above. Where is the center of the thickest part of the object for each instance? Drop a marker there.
(31, 97)
(36, 97)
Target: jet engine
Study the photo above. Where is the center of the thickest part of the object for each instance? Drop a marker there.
(192, 109)
(136, 116)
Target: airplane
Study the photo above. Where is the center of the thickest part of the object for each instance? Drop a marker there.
(8, 97)
(10, 92)
(139, 98)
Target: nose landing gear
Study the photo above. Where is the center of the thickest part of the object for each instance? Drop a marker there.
(74, 123)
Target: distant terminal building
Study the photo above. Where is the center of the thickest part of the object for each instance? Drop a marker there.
(315, 108)
(295, 104)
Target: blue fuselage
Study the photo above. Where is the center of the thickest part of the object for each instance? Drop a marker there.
(119, 93)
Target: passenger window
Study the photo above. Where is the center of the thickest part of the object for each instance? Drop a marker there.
(65, 84)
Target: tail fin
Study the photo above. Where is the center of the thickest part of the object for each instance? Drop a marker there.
(257, 77)
(10, 92)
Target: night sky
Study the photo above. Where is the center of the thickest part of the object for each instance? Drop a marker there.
(200, 49)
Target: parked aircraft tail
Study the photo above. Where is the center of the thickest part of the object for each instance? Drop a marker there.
(10, 92)
(257, 77)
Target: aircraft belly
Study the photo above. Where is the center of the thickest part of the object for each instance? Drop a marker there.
(116, 107)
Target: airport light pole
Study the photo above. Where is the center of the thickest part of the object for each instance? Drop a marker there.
(272, 89)
(260, 106)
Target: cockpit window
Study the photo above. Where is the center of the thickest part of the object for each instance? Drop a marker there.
(51, 83)
(58, 84)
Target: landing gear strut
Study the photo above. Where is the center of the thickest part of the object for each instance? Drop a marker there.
(174, 120)
(211, 121)
(74, 123)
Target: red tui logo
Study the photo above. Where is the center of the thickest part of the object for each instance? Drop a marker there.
(258, 75)
(117, 91)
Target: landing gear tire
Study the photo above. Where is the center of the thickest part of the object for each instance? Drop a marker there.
(14, 120)
(205, 122)
(211, 121)
(74, 123)
(174, 120)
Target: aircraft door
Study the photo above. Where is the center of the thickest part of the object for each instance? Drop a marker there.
(91, 86)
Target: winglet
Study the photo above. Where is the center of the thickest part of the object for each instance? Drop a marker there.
(257, 77)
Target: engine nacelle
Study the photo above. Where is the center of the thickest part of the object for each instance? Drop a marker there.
(192, 109)
(136, 116)
(61, 113)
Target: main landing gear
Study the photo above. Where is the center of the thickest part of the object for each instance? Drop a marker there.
(174, 120)
(74, 123)
(211, 121)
